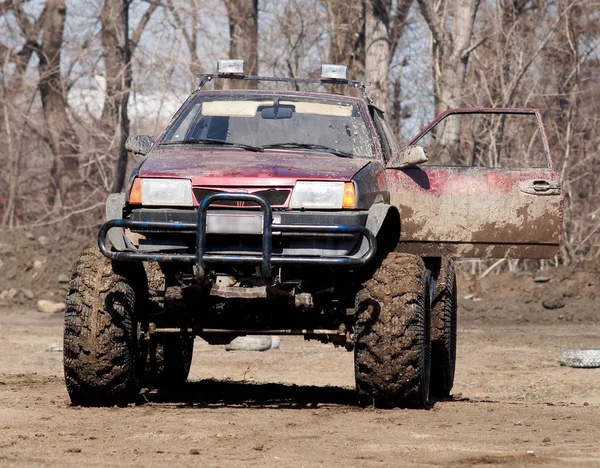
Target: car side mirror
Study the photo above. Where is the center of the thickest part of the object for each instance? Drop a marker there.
(409, 156)
(139, 144)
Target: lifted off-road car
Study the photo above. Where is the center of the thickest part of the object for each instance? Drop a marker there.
(264, 212)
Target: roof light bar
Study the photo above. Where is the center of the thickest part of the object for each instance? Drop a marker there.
(334, 72)
(230, 67)
(330, 74)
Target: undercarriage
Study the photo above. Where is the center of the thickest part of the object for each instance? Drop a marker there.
(314, 302)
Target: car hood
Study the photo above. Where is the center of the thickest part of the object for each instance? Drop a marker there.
(217, 167)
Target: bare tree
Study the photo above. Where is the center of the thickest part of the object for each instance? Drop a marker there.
(346, 26)
(294, 46)
(451, 24)
(384, 27)
(243, 37)
(62, 137)
(186, 21)
(116, 51)
(12, 87)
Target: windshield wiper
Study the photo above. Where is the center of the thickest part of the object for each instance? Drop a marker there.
(343, 154)
(192, 141)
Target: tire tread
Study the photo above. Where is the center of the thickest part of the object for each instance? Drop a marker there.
(392, 334)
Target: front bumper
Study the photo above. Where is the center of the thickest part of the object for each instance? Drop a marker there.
(266, 258)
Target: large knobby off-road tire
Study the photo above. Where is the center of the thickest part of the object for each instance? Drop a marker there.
(170, 357)
(392, 345)
(173, 359)
(101, 348)
(443, 332)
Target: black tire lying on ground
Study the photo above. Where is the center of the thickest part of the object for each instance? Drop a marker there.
(392, 344)
(101, 354)
(443, 331)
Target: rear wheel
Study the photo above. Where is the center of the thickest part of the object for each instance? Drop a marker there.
(170, 357)
(392, 345)
(172, 361)
(443, 332)
(102, 361)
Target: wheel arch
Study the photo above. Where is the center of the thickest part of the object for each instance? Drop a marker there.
(384, 222)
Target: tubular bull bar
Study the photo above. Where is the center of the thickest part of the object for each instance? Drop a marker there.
(266, 259)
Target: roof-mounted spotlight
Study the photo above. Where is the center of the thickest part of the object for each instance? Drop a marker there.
(333, 72)
(230, 67)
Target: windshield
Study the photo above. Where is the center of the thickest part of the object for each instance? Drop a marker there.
(279, 122)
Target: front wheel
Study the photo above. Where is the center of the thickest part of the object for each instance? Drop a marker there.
(101, 346)
(392, 355)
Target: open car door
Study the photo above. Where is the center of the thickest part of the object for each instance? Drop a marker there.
(489, 191)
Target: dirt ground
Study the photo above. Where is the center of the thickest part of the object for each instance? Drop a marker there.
(513, 405)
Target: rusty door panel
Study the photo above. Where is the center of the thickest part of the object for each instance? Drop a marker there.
(478, 212)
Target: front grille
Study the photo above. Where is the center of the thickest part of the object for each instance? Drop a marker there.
(276, 197)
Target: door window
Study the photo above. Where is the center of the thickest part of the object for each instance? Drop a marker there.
(486, 140)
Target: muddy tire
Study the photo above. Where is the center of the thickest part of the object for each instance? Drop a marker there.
(443, 332)
(101, 354)
(170, 358)
(392, 355)
(172, 361)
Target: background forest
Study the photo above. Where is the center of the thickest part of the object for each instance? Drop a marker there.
(77, 77)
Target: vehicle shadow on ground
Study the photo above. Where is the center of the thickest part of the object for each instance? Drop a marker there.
(224, 393)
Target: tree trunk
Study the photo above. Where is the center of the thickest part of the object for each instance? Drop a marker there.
(190, 35)
(117, 61)
(384, 28)
(377, 52)
(451, 49)
(62, 137)
(243, 33)
(347, 37)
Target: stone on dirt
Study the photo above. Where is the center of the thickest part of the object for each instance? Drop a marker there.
(50, 307)
(28, 293)
(556, 302)
(8, 294)
(62, 278)
(253, 343)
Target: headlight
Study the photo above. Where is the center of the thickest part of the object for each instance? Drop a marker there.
(161, 192)
(323, 195)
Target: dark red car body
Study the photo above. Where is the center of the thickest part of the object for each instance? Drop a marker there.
(492, 212)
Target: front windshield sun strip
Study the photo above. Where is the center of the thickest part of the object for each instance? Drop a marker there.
(361, 85)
